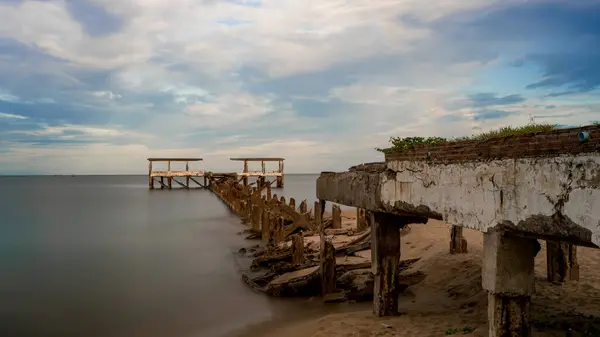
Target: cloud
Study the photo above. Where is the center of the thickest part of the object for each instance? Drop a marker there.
(320, 83)
(11, 116)
(489, 99)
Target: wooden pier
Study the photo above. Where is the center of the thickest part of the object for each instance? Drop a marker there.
(171, 175)
(261, 175)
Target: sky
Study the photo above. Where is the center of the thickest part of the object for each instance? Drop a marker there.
(98, 86)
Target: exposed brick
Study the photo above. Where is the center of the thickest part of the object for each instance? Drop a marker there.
(563, 141)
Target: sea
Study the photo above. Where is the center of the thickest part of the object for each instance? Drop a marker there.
(104, 256)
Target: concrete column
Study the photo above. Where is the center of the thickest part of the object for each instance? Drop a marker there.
(508, 277)
(385, 257)
(562, 264)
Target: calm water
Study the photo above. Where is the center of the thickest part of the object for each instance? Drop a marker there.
(104, 256)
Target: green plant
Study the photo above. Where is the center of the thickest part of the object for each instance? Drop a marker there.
(404, 144)
(401, 145)
(453, 331)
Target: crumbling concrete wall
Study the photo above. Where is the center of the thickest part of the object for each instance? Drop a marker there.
(546, 196)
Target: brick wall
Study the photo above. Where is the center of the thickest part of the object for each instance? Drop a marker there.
(562, 141)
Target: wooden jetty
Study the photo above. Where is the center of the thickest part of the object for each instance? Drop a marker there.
(262, 175)
(172, 175)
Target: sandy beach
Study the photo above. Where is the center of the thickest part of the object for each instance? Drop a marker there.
(446, 297)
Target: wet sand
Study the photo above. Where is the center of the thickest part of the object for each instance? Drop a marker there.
(450, 300)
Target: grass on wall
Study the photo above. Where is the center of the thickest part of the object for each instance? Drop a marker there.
(402, 144)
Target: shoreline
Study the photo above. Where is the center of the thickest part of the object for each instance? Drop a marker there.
(441, 293)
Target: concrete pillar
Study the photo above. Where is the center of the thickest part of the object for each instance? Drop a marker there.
(458, 243)
(385, 257)
(562, 264)
(508, 277)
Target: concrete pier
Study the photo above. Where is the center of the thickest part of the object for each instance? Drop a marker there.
(516, 190)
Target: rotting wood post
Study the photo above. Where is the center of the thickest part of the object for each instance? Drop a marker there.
(262, 162)
(361, 220)
(169, 179)
(385, 257)
(187, 175)
(275, 230)
(561, 260)
(318, 215)
(293, 203)
(336, 217)
(327, 266)
(458, 243)
(269, 192)
(256, 216)
(162, 183)
(150, 178)
(265, 225)
(245, 179)
(508, 277)
(303, 208)
(370, 218)
(280, 177)
(297, 249)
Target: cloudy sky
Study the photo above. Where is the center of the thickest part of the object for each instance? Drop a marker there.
(97, 86)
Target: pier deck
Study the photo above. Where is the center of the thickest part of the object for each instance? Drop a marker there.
(261, 175)
(171, 175)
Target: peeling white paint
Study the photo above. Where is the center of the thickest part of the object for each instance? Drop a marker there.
(480, 195)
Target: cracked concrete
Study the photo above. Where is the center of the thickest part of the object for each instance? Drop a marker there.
(555, 197)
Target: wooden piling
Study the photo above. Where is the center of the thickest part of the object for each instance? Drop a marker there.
(265, 225)
(297, 249)
(562, 263)
(336, 217)
(385, 256)
(458, 244)
(303, 208)
(361, 220)
(327, 266)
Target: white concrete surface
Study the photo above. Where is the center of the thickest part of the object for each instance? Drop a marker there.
(480, 195)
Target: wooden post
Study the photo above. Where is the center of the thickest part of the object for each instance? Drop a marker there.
(268, 191)
(326, 254)
(263, 166)
(361, 219)
(385, 257)
(256, 217)
(303, 208)
(162, 183)
(150, 178)
(327, 266)
(169, 179)
(187, 176)
(458, 244)
(293, 203)
(336, 217)
(265, 225)
(245, 179)
(297, 249)
(561, 260)
(280, 178)
(319, 209)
